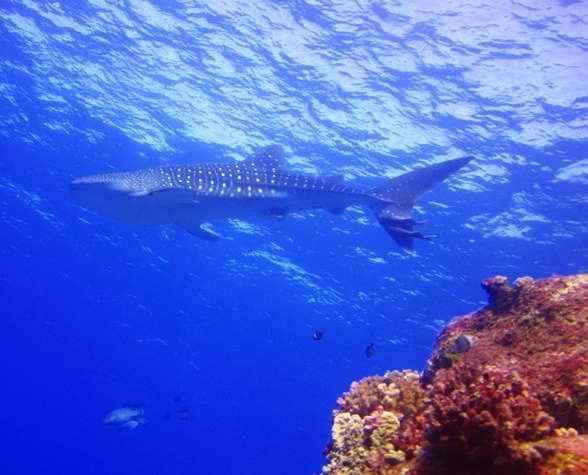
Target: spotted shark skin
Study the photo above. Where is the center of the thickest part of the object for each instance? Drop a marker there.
(189, 196)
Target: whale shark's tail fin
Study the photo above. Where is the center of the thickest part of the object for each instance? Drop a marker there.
(398, 197)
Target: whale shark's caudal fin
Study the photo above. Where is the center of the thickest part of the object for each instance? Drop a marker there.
(398, 197)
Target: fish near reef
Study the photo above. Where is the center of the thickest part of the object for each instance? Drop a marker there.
(318, 335)
(370, 350)
(191, 196)
(127, 417)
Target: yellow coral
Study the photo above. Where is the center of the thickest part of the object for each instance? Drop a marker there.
(566, 432)
(347, 431)
(387, 424)
(381, 448)
(358, 448)
(570, 284)
(347, 455)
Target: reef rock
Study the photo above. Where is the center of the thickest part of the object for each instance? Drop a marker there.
(505, 391)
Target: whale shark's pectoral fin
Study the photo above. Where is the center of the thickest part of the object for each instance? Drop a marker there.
(197, 229)
(139, 193)
(336, 209)
(410, 234)
(279, 213)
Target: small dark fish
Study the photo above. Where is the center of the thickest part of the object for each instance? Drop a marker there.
(317, 335)
(184, 413)
(370, 350)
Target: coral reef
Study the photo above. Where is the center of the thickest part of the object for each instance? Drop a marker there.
(478, 422)
(370, 433)
(537, 328)
(505, 391)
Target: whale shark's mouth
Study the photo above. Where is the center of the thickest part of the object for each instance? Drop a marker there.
(107, 185)
(87, 190)
(96, 181)
(99, 194)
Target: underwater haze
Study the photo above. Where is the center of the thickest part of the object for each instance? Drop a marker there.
(210, 344)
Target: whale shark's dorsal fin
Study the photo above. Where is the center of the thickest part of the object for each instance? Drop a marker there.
(271, 156)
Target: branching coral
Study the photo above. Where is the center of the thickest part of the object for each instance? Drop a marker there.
(478, 420)
(396, 391)
(362, 446)
(368, 429)
(347, 454)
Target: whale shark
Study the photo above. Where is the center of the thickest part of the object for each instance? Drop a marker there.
(193, 196)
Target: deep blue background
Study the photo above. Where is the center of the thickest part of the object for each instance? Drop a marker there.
(96, 314)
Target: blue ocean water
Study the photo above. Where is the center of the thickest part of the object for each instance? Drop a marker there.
(215, 339)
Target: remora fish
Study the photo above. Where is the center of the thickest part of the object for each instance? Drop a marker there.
(190, 196)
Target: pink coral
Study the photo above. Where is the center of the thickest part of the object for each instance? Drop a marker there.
(478, 420)
(538, 328)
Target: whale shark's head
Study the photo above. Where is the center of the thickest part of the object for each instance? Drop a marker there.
(146, 196)
(116, 195)
(94, 192)
(131, 183)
